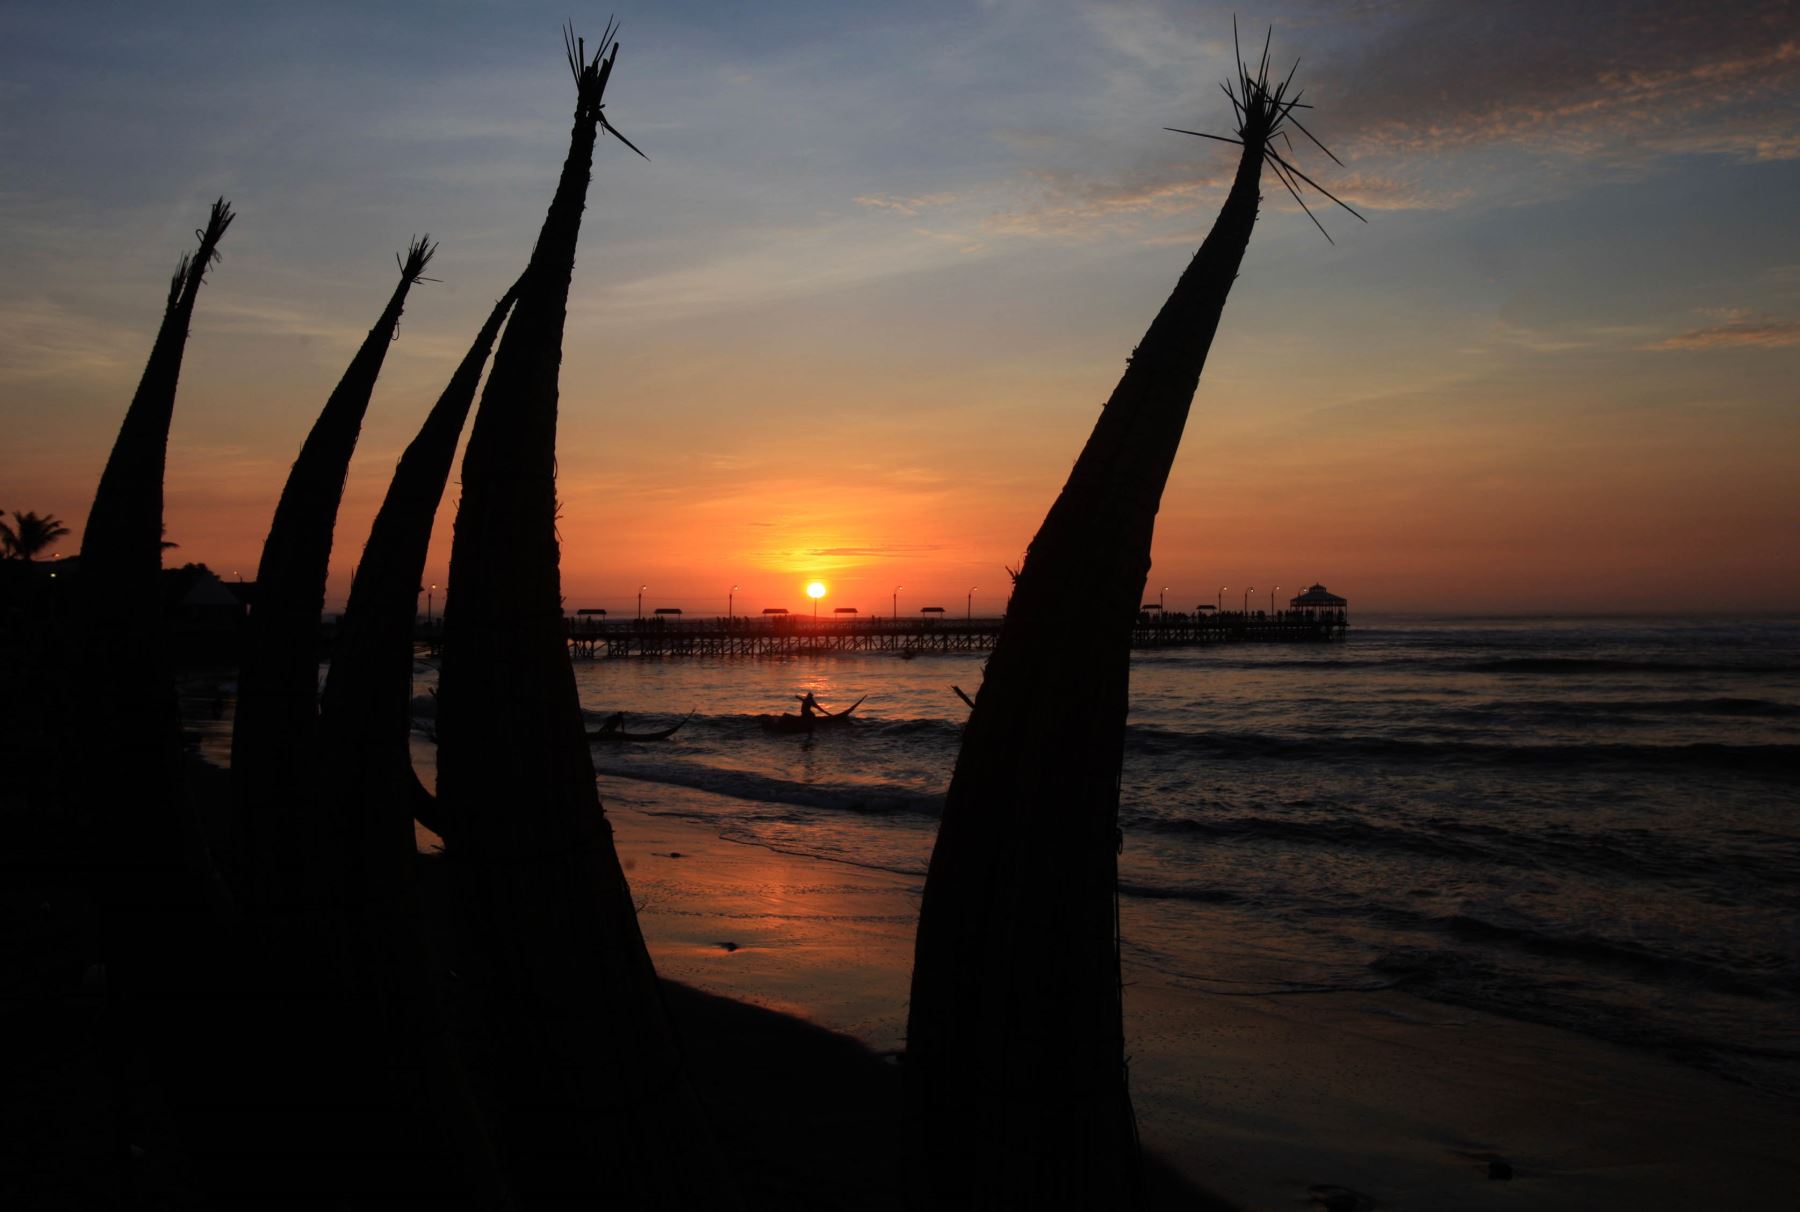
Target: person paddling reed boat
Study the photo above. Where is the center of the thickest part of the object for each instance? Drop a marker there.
(812, 714)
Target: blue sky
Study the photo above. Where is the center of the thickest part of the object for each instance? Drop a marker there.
(885, 262)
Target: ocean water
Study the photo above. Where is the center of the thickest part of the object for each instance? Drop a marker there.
(1591, 823)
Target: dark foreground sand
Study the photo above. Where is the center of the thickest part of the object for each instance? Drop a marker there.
(809, 1118)
(787, 977)
(805, 1117)
(1343, 1100)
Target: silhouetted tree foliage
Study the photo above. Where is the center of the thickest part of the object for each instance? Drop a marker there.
(29, 535)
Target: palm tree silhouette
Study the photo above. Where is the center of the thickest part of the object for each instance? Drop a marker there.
(29, 535)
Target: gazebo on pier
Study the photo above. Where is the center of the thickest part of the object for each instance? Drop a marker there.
(1319, 606)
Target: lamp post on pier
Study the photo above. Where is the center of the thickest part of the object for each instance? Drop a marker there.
(1159, 599)
(1220, 604)
(1272, 600)
(731, 604)
(429, 594)
(897, 590)
(640, 613)
(1247, 594)
(969, 606)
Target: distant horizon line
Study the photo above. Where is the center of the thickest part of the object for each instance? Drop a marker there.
(336, 603)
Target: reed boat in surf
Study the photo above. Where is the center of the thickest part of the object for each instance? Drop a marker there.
(806, 723)
(614, 730)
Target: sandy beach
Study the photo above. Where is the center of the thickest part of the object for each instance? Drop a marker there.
(1351, 1100)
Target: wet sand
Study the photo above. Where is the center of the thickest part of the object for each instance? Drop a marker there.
(1349, 1100)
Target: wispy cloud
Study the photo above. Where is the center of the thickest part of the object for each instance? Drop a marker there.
(246, 317)
(1746, 332)
(905, 206)
(1375, 191)
(42, 339)
(1066, 204)
(766, 266)
(1617, 81)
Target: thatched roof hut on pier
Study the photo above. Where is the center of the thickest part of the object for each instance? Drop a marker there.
(1318, 604)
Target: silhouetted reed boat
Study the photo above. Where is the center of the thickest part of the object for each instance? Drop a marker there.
(158, 895)
(274, 738)
(1016, 1066)
(621, 733)
(581, 1072)
(791, 723)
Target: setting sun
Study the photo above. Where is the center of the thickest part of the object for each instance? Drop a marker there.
(815, 589)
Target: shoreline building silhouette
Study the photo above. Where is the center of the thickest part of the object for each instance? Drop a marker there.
(1319, 604)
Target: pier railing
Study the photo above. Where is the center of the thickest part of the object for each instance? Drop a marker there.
(593, 639)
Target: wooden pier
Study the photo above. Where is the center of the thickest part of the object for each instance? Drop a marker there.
(608, 639)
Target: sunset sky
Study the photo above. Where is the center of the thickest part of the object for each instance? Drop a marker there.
(854, 318)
